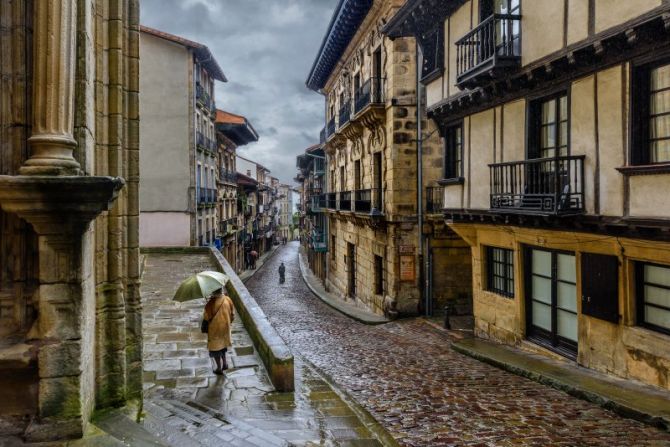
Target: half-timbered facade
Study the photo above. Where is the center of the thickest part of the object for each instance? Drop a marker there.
(555, 124)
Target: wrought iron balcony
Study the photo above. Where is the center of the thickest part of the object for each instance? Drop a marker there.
(344, 200)
(330, 128)
(200, 140)
(546, 186)
(434, 199)
(206, 196)
(370, 93)
(318, 203)
(331, 200)
(345, 114)
(492, 47)
(363, 201)
(319, 166)
(228, 176)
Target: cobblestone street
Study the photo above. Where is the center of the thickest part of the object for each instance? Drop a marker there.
(422, 391)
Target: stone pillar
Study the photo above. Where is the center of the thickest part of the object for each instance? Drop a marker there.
(54, 51)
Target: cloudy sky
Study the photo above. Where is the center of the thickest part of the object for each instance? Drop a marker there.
(266, 49)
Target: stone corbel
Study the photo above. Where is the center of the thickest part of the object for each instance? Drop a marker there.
(354, 133)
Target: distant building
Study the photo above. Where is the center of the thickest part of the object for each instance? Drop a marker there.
(178, 154)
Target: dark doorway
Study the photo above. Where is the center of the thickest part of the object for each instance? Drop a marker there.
(377, 174)
(351, 267)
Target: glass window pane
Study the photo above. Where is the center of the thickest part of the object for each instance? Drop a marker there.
(549, 112)
(548, 136)
(563, 104)
(660, 77)
(567, 270)
(659, 127)
(657, 274)
(566, 323)
(656, 316)
(541, 314)
(563, 134)
(660, 151)
(541, 262)
(660, 102)
(657, 295)
(541, 289)
(566, 296)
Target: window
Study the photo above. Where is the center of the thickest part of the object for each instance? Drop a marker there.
(379, 275)
(653, 296)
(548, 133)
(500, 271)
(333, 257)
(453, 152)
(651, 103)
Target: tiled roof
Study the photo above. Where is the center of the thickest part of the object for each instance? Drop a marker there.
(347, 17)
(235, 127)
(204, 56)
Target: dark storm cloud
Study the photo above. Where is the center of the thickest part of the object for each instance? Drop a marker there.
(266, 49)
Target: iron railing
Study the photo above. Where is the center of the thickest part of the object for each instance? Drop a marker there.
(344, 200)
(226, 175)
(330, 127)
(434, 199)
(371, 92)
(362, 201)
(318, 203)
(331, 200)
(494, 44)
(319, 166)
(540, 186)
(345, 114)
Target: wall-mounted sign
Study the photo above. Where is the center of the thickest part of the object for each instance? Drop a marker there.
(406, 249)
(407, 270)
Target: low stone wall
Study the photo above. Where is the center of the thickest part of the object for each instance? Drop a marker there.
(273, 351)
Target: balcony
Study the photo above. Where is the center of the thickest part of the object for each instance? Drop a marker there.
(228, 227)
(344, 200)
(490, 49)
(363, 201)
(318, 203)
(370, 93)
(330, 128)
(544, 186)
(434, 199)
(318, 241)
(331, 200)
(319, 166)
(206, 196)
(344, 115)
(227, 176)
(202, 97)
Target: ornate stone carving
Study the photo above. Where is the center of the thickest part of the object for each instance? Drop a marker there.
(54, 51)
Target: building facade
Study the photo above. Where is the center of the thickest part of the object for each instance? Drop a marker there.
(179, 143)
(381, 242)
(555, 131)
(285, 220)
(232, 131)
(314, 220)
(70, 312)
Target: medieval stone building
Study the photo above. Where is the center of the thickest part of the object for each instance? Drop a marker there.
(556, 132)
(382, 244)
(70, 328)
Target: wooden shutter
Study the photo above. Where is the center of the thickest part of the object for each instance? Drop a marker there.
(600, 286)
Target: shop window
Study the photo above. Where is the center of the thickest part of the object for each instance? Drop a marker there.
(500, 271)
(453, 152)
(651, 110)
(653, 296)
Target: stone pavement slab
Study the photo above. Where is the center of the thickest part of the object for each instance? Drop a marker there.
(625, 397)
(406, 374)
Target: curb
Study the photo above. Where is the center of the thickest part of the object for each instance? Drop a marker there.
(372, 424)
(627, 411)
(329, 302)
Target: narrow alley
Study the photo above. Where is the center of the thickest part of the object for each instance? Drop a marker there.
(405, 374)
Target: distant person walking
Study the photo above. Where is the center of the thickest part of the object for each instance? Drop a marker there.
(219, 314)
(282, 272)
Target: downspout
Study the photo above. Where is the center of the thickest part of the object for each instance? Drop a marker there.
(419, 186)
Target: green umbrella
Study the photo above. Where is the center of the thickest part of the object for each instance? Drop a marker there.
(200, 285)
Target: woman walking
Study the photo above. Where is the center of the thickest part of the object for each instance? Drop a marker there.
(219, 314)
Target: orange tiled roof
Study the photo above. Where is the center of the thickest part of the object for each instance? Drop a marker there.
(202, 52)
(229, 118)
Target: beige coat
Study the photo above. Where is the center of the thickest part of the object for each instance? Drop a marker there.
(218, 335)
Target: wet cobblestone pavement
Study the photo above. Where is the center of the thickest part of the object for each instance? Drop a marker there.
(405, 374)
(186, 404)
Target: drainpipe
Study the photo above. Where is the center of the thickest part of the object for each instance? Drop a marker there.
(423, 256)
